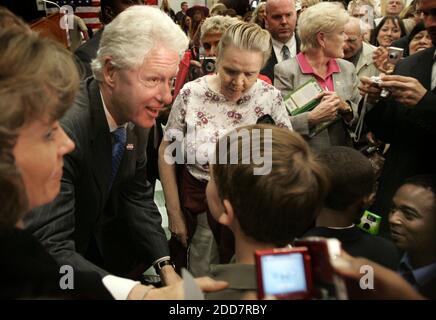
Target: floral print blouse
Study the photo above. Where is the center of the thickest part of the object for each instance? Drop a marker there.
(200, 116)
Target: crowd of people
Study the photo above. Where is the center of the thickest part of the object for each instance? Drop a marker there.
(159, 95)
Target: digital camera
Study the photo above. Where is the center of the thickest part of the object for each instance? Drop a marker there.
(377, 80)
(394, 55)
(284, 273)
(208, 64)
(327, 285)
(370, 222)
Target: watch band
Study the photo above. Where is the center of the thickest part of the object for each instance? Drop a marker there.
(159, 265)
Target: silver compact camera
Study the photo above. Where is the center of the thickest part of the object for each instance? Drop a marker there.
(394, 55)
(377, 80)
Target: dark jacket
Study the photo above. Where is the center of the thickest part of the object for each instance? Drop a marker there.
(360, 244)
(410, 131)
(89, 226)
(27, 271)
(268, 69)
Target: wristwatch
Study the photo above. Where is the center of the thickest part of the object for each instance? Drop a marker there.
(349, 110)
(159, 265)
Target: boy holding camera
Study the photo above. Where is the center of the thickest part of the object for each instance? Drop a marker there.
(262, 211)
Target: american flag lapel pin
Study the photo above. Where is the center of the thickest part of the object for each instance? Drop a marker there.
(130, 146)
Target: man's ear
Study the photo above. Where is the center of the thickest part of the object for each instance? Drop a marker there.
(109, 72)
(226, 218)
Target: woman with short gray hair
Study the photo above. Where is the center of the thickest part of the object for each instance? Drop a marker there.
(322, 39)
(211, 106)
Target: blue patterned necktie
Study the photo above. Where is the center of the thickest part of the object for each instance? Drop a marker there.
(118, 146)
(286, 53)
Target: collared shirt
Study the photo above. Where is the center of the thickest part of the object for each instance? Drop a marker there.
(326, 83)
(110, 120)
(355, 59)
(421, 276)
(277, 47)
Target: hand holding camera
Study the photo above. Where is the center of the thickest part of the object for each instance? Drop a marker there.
(405, 90)
(386, 61)
(303, 272)
(371, 87)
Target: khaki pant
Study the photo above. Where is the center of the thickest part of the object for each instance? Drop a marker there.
(203, 250)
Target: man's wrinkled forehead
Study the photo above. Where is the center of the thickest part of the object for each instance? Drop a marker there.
(353, 27)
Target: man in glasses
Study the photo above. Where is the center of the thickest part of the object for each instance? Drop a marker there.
(357, 51)
(104, 218)
(407, 119)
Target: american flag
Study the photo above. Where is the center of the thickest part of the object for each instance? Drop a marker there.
(88, 10)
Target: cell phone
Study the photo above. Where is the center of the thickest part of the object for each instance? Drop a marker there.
(327, 284)
(284, 273)
(394, 55)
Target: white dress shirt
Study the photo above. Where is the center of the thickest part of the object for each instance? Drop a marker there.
(277, 47)
(110, 120)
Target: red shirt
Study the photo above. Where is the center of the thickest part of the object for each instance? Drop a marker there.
(327, 81)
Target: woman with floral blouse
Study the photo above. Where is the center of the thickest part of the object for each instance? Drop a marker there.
(205, 110)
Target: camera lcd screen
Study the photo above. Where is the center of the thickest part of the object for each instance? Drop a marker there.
(283, 274)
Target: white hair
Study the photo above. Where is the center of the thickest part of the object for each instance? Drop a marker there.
(356, 21)
(322, 17)
(217, 24)
(133, 34)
